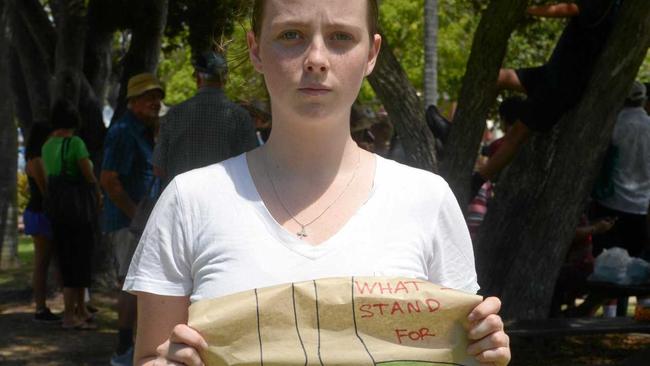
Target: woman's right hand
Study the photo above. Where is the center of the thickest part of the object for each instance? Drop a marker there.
(182, 348)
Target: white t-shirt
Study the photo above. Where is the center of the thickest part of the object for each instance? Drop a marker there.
(211, 235)
(631, 174)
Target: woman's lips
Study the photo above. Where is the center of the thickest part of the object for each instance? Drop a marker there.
(315, 91)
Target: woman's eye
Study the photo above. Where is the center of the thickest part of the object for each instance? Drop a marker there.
(290, 36)
(341, 37)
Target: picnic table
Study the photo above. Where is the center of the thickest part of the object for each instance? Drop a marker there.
(608, 290)
(598, 293)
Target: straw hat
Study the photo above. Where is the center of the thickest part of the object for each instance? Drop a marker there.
(142, 83)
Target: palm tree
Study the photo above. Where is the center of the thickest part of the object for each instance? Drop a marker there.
(430, 52)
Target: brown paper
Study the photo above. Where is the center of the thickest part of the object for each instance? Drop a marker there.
(337, 321)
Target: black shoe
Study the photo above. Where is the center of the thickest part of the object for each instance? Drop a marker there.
(46, 316)
(438, 124)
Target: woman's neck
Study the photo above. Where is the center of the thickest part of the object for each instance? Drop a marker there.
(318, 149)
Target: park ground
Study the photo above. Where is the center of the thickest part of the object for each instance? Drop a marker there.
(23, 342)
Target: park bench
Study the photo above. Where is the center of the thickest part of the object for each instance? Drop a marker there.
(598, 291)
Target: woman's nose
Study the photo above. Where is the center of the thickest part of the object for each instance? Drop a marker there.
(316, 60)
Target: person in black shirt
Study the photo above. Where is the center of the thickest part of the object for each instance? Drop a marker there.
(557, 86)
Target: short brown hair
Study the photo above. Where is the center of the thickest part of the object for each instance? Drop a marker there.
(258, 16)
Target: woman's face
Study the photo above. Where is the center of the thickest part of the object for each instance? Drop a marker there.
(314, 55)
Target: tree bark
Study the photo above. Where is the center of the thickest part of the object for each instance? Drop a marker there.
(144, 51)
(35, 69)
(99, 42)
(71, 31)
(529, 226)
(19, 93)
(38, 24)
(8, 149)
(478, 92)
(430, 52)
(404, 108)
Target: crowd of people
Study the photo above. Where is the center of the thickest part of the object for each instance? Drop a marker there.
(239, 208)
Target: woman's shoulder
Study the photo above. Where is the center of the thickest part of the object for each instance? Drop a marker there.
(404, 177)
(214, 180)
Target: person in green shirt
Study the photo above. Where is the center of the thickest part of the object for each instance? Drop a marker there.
(73, 243)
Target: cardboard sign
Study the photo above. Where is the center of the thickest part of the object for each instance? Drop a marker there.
(338, 321)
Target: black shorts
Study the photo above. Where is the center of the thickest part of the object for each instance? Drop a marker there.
(550, 94)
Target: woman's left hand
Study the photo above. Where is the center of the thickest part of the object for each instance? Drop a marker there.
(488, 341)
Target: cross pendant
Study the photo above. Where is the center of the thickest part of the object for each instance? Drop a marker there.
(302, 234)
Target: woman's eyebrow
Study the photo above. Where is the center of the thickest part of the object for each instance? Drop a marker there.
(299, 24)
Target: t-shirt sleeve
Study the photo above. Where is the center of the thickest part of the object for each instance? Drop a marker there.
(161, 264)
(119, 148)
(452, 264)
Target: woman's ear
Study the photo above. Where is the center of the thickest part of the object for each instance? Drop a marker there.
(373, 53)
(254, 51)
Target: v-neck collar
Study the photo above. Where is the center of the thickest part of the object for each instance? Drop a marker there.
(290, 240)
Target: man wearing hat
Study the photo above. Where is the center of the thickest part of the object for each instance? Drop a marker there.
(205, 129)
(630, 178)
(126, 174)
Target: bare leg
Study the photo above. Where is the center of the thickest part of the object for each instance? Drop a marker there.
(82, 312)
(42, 254)
(69, 302)
(509, 80)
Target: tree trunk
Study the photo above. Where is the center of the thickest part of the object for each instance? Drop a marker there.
(8, 149)
(430, 52)
(35, 70)
(146, 40)
(71, 30)
(22, 108)
(38, 24)
(404, 108)
(478, 92)
(529, 226)
(99, 43)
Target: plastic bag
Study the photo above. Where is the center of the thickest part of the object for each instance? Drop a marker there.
(616, 266)
(638, 271)
(611, 266)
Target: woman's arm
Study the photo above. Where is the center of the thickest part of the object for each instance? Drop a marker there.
(110, 181)
(163, 334)
(36, 170)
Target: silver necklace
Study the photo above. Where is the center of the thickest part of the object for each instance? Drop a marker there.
(303, 227)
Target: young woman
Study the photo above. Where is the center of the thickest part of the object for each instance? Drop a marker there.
(36, 223)
(308, 204)
(73, 242)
